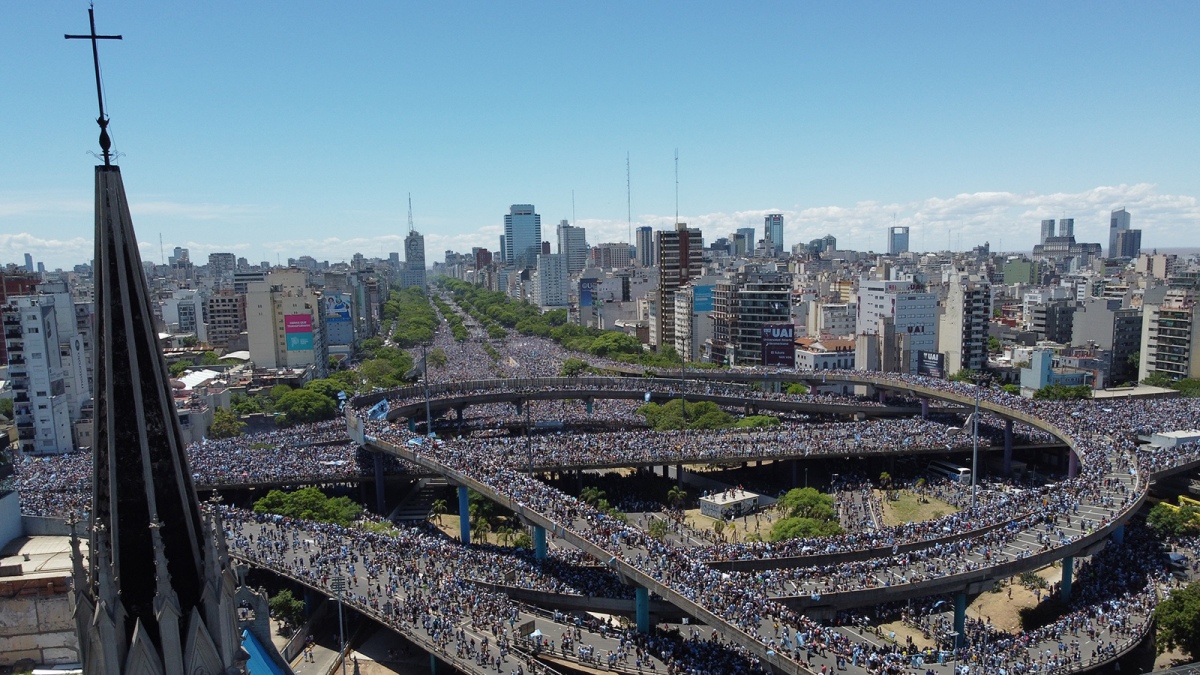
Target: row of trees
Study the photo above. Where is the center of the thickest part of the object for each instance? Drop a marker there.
(310, 504)
(678, 414)
(457, 329)
(414, 317)
(807, 512)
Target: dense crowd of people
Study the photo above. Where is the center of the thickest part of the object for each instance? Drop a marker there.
(1105, 483)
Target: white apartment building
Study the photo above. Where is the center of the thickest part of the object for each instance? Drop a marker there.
(41, 404)
(913, 309)
(283, 322)
(550, 288)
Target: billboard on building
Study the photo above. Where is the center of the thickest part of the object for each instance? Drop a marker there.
(587, 292)
(779, 345)
(702, 299)
(298, 330)
(931, 364)
(339, 326)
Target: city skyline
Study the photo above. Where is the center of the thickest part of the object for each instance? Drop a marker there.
(227, 126)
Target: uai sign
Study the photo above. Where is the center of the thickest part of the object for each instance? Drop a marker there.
(779, 345)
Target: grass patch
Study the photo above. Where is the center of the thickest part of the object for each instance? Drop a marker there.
(910, 507)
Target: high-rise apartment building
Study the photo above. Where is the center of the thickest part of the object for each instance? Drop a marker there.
(693, 322)
(962, 328)
(1066, 227)
(220, 265)
(550, 289)
(1117, 330)
(913, 311)
(1119, 222)
(41, 402)
(1047, 230)
(1129, 244)
(283, 322)
(680, 259)
(755, 296)
(414, 261)
(744, 241)
(614, 256)
(773, 233)
(645, 246)
(224, 318)
(522, 236)
(897, 240)
(573, 246)
(1170, 344)
(14, 283)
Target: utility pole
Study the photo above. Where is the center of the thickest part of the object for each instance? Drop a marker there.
(528, 438)
(339, 587)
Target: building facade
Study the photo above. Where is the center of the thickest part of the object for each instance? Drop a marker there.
(1169, 342)
(550, 287)
(573, 246)
(522, 242)
(913, 310)
(283, 323)
(755, 296)
(773, 233)
(645, 247)
(414, 261)
(680, 259)
(897, 240)
(962, 328)
(41, 404)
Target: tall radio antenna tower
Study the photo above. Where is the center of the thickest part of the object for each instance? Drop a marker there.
(676, 186)
(628, 201)
(410, 223)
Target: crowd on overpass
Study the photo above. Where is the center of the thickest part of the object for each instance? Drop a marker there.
(61, 485)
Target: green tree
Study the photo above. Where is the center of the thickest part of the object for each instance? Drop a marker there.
(225, 424)
(964, 375)
(795, 528)
(806, 503)
(993, 344)
(573, 366)
(1014, 389)
(6, 407)
(309, 504)
(437, 358)
(797, 389)
(591, 495)
(885, 480)
(287, 608)
(209, 359)
(179, 368)
(279, 391)
(327, 388)
(303, 405)
(437, 509)
(676, 496)
(1168, 521)
(658, 529)
(1178, 620)
(190, 341)
(718, 528)
(1059, 392)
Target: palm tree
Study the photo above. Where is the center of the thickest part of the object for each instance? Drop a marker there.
(591, 494)
(504, 535)
(437, 509)
(676, 496)
(483, 529)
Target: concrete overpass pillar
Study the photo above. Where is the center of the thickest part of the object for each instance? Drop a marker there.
(380, 500)
(960, 620)
(432, 665)
(1118, 535)
(539, 542)
(464, 515)
(1072, 464)
(1068, 574)
(459, 412)
(883, 397)
(795, 473)
(924, 408)
(643, 610)
(412, 424)
(679, 474)
(589, 406)
(1008, 442)
(312, 600)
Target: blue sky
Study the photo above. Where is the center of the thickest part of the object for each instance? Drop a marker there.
(281, 129)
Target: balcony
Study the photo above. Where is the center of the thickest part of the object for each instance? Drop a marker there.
(13, 334)
(16, 361)
(21, 398)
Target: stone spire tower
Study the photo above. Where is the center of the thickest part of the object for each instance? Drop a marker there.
(157, 596)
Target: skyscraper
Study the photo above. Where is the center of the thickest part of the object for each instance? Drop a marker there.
(680, 259)
(522, 236)
(773, 232)
(1066, 227)
(28, 263)
(645, 246)
(414, 260)
(897, 240)
(1047, 230)
(1118, 223)
(573, 246)
(744, 241)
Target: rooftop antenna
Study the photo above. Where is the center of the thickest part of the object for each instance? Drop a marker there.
(105, 141)
(161, 253)
(676, 186)
(628, 201)
(410, 222)
(573, 209)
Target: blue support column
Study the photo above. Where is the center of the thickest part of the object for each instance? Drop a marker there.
(412, 424)
(1067, 575)
(589, 406)
(380, 499)
(643, 610)
(464, 515)
(432, 665)
(1118, 535)
(960, 619)
(924, 408)
(1008, 441)
(539, 542)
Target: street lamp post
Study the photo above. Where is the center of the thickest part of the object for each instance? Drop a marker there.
(339, 587)
(425, 378)
(975, 449)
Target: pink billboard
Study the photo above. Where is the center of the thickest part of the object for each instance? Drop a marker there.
(297, 323)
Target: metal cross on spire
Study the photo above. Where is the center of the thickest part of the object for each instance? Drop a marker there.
(105, 141)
